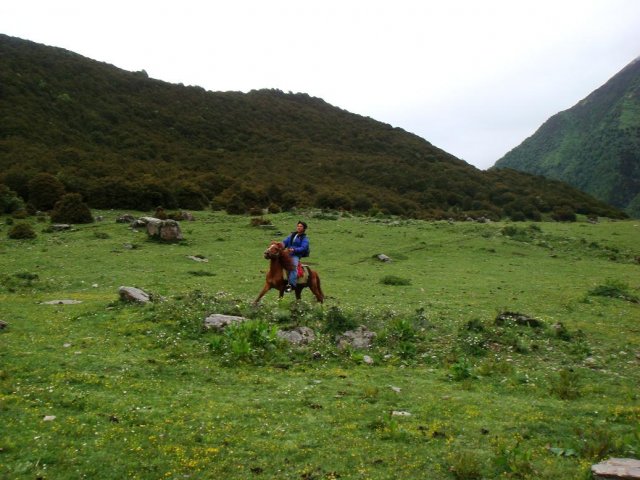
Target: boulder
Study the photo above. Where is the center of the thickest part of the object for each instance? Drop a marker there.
(59, 227)
(62, 302)
(126, 218)
(383, 258)
(219, 322)
(622, 468)
(506, 318)
(359, 338)
(166, 230)
(298, 336)
(133, 295)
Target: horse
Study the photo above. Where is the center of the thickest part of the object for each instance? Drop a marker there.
(280, 264)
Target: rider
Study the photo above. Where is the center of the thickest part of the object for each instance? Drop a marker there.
(298, 245)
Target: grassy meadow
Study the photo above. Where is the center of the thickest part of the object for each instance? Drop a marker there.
(104, 389)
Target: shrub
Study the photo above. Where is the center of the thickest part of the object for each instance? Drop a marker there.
(22, 231)
(71, 209)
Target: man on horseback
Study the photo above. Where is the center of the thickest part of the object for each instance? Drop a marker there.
(298, 245)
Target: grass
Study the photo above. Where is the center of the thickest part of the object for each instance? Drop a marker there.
(143, 392)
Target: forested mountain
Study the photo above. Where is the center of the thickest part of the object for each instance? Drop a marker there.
(594, 146)
(123, 140)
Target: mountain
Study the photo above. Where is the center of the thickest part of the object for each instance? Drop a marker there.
(594, 146)
(124, 140)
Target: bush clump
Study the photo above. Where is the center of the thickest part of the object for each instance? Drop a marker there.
(22, 231)
(71, 209)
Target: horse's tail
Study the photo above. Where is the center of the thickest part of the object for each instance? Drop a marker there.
(320, 294)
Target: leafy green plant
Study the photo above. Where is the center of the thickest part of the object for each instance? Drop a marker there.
(566, 385)
(253, 341)
(460, 370)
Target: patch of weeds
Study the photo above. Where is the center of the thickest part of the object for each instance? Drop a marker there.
(260, 222)
(253, 341)
(494, 366)
(303, 313)
(389, 428)
(201, 273)
(613, 288)
(461, 370)
(101, 235)
(515, 462)
(395, 280)
(519, 234)
(566, 385)
(599, 442)
(465, 465)
(561, 332)
(370, 394)
(338, 321)
(19, 281)
(402, 337)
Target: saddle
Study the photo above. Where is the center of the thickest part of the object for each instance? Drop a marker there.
(303, 273)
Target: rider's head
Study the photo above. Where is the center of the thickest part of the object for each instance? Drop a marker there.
(301, 227)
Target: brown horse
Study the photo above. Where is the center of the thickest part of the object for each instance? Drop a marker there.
(280, 263)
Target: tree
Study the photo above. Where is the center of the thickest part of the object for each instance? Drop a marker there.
(9, 200)
(44, 191)
(71, 209)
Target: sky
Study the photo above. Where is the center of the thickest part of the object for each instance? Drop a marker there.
(473, 77)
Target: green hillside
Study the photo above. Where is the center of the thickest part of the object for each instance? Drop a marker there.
(594, 146)
(123, 140)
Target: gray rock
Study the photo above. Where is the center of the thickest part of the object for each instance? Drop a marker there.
(62, 302)
(367, 359)
(622, 468)
(383, 258)
(359, 338)
(298, 336)
(133, 295)
(198, 258)
(3, 324)
(167, 230)
(219, 322)
(506, 318)
(126, 218)
(59, 227)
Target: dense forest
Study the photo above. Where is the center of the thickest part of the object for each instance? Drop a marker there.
(594, 146)
(72, 125)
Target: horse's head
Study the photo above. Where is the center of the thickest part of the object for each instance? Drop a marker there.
(274, 250)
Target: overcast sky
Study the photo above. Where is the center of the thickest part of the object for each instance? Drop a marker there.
(473, 77)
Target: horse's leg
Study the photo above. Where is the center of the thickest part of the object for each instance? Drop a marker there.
(315, 287)
(264, 290)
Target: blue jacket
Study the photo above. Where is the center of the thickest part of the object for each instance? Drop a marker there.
(299, 243)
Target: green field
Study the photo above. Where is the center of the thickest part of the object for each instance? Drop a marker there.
(104, 389)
